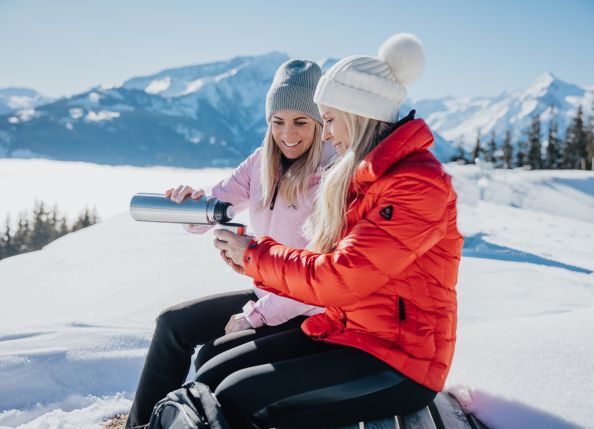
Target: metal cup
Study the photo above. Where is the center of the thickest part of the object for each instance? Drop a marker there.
(237, 228)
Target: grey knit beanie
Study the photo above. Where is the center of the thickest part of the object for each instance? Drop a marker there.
(293, 89)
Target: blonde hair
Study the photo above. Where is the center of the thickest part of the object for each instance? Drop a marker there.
(325, 227)
(296, 180)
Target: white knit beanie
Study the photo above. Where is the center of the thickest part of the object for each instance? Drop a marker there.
(373, 87)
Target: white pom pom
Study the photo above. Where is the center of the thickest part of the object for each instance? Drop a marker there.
(404, 53)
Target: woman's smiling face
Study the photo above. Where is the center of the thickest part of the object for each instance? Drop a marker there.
(292, 132)
(335, 129)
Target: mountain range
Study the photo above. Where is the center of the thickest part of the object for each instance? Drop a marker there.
(213, 115)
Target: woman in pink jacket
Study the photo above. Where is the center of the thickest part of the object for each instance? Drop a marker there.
(277, 184)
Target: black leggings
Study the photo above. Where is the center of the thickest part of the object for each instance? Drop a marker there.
(179, 330)
(287, 380)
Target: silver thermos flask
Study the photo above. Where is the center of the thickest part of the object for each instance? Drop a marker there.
(158, 208)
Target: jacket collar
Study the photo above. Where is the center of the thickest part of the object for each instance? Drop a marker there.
(410, 135)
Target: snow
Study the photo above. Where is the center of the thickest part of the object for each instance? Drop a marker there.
(15, 99)
(76, 113)
(542, 363)
(24, 115)
(94, 97)
(159, 85)
(541, 85)
(74, 412)
(103, 115)
(77, 316)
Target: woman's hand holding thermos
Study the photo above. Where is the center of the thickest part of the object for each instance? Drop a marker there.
(177, 195)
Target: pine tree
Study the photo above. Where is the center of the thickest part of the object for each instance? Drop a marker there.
(58, 222)
(534, 144)
(491, 149)
(574, 153)
(87, 218)
(6, 245)
(460, 155)
(553, 156)
(22, 238)
(62, 226)
(476, 153)
(590, 139)
(43, 229)
(508, 150)
(522, 154)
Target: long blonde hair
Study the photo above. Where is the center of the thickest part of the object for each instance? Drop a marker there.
(326, 225)
(296, 180)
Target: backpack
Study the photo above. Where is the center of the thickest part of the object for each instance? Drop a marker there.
(193, 406)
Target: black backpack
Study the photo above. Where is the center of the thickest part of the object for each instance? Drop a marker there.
(192, 407)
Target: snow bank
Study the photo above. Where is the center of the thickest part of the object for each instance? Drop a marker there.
(76, 317)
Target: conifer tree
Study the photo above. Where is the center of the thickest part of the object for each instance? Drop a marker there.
(553, 156)
(508, 150)
(522, 154)
(6, 245)
(534, 144)
(574, 150)
(460, 155)
(491, 149)
(43, 228)
(590, 139)
(22, 237)
(87, 218)
(476, 153)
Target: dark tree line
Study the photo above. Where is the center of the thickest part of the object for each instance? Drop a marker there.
(42, 226)
(574, 151)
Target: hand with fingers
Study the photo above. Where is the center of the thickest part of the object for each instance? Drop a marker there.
(179, 194)
(237, 268)
(237, 322)
(232, 246)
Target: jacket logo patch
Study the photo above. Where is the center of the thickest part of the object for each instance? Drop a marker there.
(386, 212)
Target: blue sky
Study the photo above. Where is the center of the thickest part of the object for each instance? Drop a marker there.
(62, 47)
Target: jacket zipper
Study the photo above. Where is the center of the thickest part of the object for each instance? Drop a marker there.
(271, 207)
(274, 195)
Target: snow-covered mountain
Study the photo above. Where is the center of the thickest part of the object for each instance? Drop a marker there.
(203, 115)
(459, 119)
(13, 100)
(213, 115)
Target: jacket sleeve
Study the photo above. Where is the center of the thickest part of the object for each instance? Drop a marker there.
(273, 310)
(235, 189)
(377, 249)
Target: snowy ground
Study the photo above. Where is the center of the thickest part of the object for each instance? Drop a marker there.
(77, 316)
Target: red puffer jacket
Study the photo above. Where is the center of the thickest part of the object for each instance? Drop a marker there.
(389, 287)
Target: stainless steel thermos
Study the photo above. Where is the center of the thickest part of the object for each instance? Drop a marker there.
(158, 208)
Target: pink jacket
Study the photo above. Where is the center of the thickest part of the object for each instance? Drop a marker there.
(279, 220)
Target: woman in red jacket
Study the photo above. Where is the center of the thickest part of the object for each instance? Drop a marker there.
(383, 261)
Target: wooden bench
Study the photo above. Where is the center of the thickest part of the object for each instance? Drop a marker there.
(444, 413)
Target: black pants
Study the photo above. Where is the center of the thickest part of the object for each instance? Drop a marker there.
(287, 380)
(179, 330)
